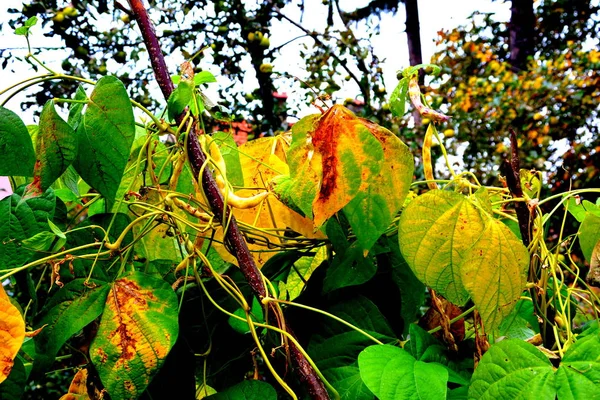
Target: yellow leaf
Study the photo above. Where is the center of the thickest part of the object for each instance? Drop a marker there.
(12, 333)
(78, 388)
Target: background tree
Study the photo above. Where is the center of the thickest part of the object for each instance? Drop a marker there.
(550, 98)
(239, 34)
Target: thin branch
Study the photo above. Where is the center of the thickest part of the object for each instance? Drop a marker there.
(316, 38)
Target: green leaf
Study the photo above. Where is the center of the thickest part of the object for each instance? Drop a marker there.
(76, 109)
(31, 21)
(56, 148)
(302, 271)
(41, 241)
(513, 369)
(530, 182)
(21, 219)
(139, 327)
(14, 386)
(67, 312)
(22, 31)
(435, 232)
(371, 212)
(179, 99)
(16, 148)
(391, 373)
(494, 272)
(204, 77)
(412, 291)
(336, 348)
(231, 156)
(581, 209)
(578, 376)
(256, 313)
(349, 268)
(348, 383)
(589, 235)
(398, 98)
(105, 137)
(521, 323)
(247, 390)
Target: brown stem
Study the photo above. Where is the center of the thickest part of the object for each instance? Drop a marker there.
(510, 169)
(233, 236)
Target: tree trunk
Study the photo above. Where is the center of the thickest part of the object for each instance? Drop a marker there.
(521, 33)
(413, 32)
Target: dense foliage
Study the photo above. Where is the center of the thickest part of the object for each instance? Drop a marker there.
(143, 258)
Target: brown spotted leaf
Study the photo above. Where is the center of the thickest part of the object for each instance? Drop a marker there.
(12, 333)
(339, 151)
(138, 328)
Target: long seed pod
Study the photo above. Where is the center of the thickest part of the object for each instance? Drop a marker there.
(415, 97)
(427, 163)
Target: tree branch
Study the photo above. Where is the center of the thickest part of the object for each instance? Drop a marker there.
(233, 236)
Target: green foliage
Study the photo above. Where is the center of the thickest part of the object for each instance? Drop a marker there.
(127, 266)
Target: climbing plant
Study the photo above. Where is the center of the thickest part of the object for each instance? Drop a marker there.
(144, 257)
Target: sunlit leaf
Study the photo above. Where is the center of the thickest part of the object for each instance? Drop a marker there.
(435, 231)
(589, 234)
(179, 98)
(12, 333)
(138, 328)
(301, 272)
(56, 148)
(16, 148)
(105, 137)
(398, 98)
(204, 77)
(371, 212)
(494, 272)
(578, 376)
(341, 152)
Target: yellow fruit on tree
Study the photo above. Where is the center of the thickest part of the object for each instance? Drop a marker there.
(265, 42)
(125, 18)
(266, 68)
(59, 17)
(70, 11)
(425, 121)
(251, 37)
(449, 133)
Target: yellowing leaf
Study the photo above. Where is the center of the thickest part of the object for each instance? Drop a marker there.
(435, 231)
(341, 151)
(494, 272)
(138, 328)
(261, 161)
(12, 333)
(78, 388)
(461, 251)
(371, 212)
